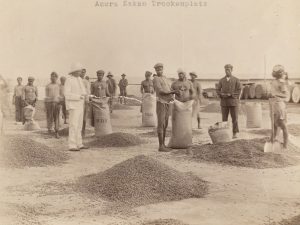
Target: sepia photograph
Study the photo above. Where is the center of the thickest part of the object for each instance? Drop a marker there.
(150, 112)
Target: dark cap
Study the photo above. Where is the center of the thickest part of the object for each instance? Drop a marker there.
(228, 66)
(100, 72)
(158, 65)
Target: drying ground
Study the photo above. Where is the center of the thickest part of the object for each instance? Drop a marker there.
(44, 194)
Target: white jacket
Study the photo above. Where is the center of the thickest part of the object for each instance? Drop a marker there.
(74, 89)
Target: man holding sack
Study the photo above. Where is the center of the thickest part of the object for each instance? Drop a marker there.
(182, 112)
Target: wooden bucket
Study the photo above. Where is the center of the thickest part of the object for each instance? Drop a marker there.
(252, 91)
(295, 93)
(245, 94)
(262, 91)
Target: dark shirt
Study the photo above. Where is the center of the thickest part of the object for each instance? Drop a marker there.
(232, 87)
(112, 86)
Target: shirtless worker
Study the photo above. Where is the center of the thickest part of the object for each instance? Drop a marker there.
(147, 85)
(184, 88)
(164, 96)
(198, 97)
(278, 95)
(52, 103)
(17, 100)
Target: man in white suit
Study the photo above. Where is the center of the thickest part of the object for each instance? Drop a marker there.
(75, 94)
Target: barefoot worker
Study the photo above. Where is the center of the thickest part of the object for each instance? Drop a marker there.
(63, 100)
(183, 87)
(100, 88)
(229, 89)
(197, 98)
(52, 103)
(279, 92)
(87, 86)
(164, 96)
(75, 94)
(147, 84)
(17, 100)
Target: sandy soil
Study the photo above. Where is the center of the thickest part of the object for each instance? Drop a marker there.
(243, 196)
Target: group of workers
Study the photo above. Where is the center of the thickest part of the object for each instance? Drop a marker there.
(73, 94)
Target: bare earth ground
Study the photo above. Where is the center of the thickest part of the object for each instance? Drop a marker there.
(243, 196)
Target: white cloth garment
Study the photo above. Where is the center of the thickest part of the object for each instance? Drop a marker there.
(74, 90)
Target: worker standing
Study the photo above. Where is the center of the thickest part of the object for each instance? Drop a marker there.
(17, 100)
(229, 89)
(87, 86)
(278, 95)
(100, 88)
(123, 83)
(198, 97)
(112, 88)
(147, 84)
(164, 96)
(30, 93)
(4, 107)
(52, 103)
(63, 100)
(75, 94)
(184, 88)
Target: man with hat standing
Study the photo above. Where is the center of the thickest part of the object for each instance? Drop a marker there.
(198, 97)
(123, 83)
(52, 103)
(17, 100)
(112, 88)
(164, 96)
(229, 89)
(75, 95)
(147, 84)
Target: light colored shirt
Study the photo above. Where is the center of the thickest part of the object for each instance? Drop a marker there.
(74, 90)
(18, 90)
(53, 93)
(161, 83)
(29, 93)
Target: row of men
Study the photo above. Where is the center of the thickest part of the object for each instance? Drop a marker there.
(229, 89)
(54, 100)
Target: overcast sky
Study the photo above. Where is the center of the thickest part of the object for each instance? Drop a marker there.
(39, 36)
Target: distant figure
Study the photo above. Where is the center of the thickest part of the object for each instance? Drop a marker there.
(63, 100)
(3, 102)
(278, 95)
(17, 100)
(147, 84)
(163, 96)
(52, 103)
(184, 88)
(75, 94)
(229, 89)
(100, 88)
(87, 86)
(112, 89)
(198, 97)
(29, 94)
(123, 89)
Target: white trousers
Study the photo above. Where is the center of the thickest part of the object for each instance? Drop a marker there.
(75, 126)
